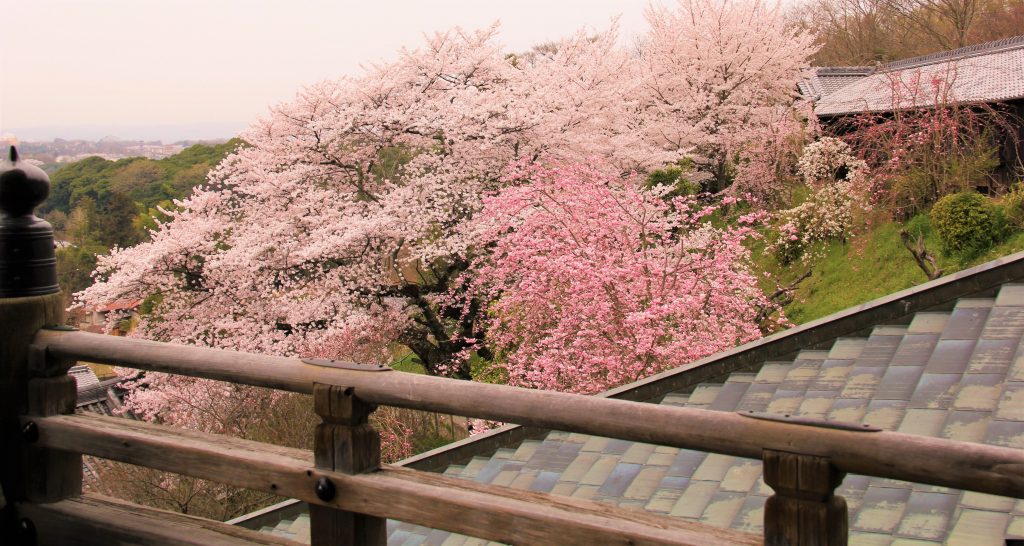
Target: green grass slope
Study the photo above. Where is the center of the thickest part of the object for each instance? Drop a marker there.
(870, 266)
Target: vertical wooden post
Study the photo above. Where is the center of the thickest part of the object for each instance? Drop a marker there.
(24, 473)
(51, 475)
(804, 510)
(345, 442)
(30, 384)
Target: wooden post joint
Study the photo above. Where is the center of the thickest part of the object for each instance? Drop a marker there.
(43, 364)
(344, 442)
(804, 509)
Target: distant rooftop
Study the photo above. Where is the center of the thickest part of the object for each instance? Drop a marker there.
(982, 73)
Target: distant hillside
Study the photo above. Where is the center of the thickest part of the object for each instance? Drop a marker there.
(95, 203)
(147, 182)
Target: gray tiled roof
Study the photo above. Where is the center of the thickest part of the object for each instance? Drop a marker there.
(104, 398)
(956, 374)
(990, 72)
(824, 81)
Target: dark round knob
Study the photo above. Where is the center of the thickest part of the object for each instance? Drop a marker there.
(324, 489)
(23, 186)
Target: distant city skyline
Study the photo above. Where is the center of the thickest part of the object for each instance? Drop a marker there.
(194, 69)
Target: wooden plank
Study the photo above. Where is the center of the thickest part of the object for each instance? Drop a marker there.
(344, 442)
(487, 511)
(962, 465)
(106, 520)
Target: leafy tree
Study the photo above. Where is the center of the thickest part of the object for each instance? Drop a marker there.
(597, 282)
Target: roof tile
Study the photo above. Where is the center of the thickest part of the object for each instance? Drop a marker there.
(966, 426)
(979, 528)
(992, 356)
(928, 323)
(885, 414)
(848, 410)
(914, 350)
(1011, 403)
(881, 509)
(899, 382)
(923, 422)
(723, 508)
(935, 391)
(965, 323)
(832, 375)
(1005, 323)
(979, 392)
(951, 356)
(1010, 294)
(741, 476)
(693, 501)
(927, 515)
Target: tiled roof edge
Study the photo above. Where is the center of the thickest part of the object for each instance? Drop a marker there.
(1014, 42)
(843, 323)
(270, 515)
(849, 321)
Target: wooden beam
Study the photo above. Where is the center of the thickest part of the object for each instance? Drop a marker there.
(462, 506)
(344, 442)
(96, 519)
(962, 465)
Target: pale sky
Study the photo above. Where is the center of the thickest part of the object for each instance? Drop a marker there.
(68, 66)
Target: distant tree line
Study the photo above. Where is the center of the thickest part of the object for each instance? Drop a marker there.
(863, 32)
(96, 204)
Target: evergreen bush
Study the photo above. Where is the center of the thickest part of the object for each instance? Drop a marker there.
(967, 223)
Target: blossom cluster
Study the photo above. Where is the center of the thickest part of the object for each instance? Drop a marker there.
(596, 282)
(342, 226)
(826, 215)
(829, 160)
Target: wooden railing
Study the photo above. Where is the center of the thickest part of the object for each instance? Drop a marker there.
(351, 494)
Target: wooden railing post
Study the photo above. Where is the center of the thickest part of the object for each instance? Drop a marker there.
(345, 442)
(30, 383)
(804, 511)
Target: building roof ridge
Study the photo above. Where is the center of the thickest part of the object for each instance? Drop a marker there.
(1005, 44)
(843, 70)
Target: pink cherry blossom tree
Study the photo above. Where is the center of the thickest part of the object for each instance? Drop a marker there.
(720, 77)
(349, 204)
(596, 282)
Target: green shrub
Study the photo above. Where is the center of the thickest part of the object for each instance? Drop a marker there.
(1013, 206)
(967, 223)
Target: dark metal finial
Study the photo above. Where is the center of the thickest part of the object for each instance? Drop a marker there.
(28, 265)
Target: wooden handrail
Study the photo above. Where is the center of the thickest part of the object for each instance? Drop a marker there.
(486, 511)
(962, 465)
(106, 520)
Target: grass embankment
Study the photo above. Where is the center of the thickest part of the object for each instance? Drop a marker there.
(871, 265)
